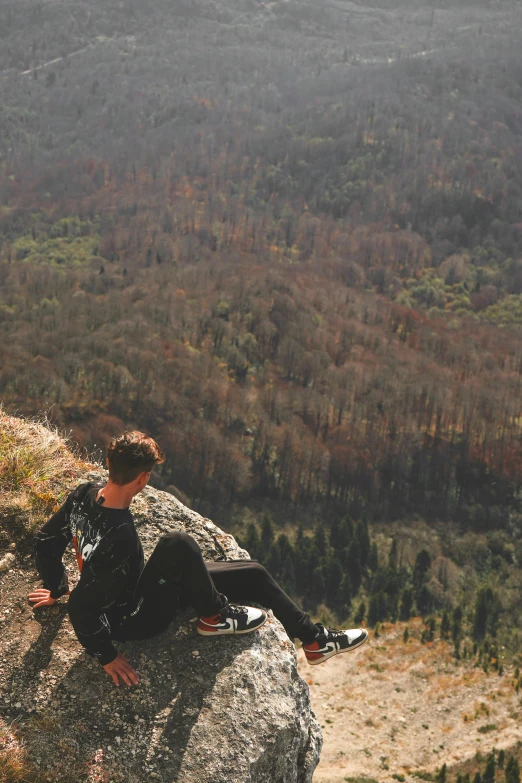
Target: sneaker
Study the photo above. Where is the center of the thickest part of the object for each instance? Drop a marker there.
(232, 619)
(331, 642)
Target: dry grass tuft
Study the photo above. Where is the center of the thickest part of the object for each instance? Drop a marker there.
(17, 757)
(37, 467)
(14, 766)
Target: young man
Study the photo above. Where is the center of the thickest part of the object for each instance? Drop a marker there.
(120, 598)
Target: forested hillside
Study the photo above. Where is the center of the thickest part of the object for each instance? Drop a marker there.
(288, 244)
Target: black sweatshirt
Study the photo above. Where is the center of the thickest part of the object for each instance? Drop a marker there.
(110, 559)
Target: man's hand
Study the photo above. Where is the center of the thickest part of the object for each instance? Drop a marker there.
(120, 667)
(41, 597)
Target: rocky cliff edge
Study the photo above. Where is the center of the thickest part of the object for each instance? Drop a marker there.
(228, 710)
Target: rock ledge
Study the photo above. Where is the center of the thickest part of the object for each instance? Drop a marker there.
(205, 710)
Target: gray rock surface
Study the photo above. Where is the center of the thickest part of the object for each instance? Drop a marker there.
(226, 710)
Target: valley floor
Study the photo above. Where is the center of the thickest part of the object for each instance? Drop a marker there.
(392, 709)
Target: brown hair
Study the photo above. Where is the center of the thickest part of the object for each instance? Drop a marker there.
(131, 454)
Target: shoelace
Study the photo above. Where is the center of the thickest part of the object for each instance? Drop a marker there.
(330, 631)
(234, 610)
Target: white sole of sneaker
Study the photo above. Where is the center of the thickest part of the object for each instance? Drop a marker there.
(231, 633)
(338, 652)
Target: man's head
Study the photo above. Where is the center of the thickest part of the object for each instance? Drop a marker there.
(131, 457)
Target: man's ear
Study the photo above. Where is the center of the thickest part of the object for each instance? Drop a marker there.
(143, 478)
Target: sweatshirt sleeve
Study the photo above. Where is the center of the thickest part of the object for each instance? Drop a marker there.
(49, 546)
(96, 592)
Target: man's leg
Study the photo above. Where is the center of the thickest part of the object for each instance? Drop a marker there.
(247, 580)
(175, 570)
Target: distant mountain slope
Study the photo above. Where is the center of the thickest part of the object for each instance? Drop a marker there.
(282, 241)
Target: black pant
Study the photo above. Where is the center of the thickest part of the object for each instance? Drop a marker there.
(177, 572)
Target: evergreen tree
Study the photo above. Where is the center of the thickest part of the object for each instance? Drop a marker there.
(302, 564)
(363, 537)
(377, 608)
(420, 577)
(288, 574)
(320, 538)
(373, 558)
(486, 614)
(406, 604)
(512, 773)
(353, 564)
(424, 601)
(477, 778)
(318, 590)
(444, 625)
(430, 629)
(501, 758)
(334, 576)
(393, 609)
(314, 560)
(345, 594)
(267, 535)
(341, 533)
(481, 613)
(441, 775)
(273, 561)
(360, 614)
(348, 530)
(456, 628)
(392, 557)
(489, 772)
(392, 585)
(285, 547)
(336, 539)
(252, 542)
(421, 568)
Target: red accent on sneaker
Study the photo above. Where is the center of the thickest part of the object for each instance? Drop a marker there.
(313, 656)
(311, 651)
(206, 623)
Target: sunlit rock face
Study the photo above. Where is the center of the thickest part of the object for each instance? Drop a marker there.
(205, 711)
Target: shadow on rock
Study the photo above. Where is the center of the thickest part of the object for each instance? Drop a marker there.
(25, 682)
(139, 729)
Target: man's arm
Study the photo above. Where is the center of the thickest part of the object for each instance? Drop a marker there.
(49, 546)
(99, 587)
